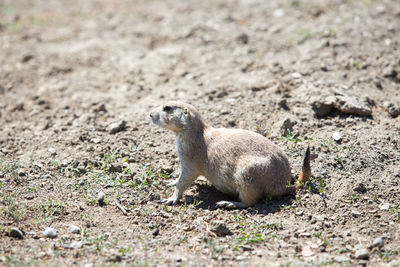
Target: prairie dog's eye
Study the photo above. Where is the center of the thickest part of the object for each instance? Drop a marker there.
(167, 109)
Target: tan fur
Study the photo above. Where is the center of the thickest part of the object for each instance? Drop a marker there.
(237, 162)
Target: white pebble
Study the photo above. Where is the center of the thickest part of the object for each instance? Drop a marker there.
(75, 229)
(50, 232)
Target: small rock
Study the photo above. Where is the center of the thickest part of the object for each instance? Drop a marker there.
(286, 126)
(30, 196)
(117, 127)
(362, 254)
(166, 167)
(283, 104)
(392, 109)
(243, 38)
(232, 123)
(18, 107)
(323, 107)
(155, 232)
(385, 206)
(75, 229)
(320, 218)
(154, 196)
(50, 232)
(115, 168)
(378, 242)
(101, 108)
(100, 198)
(341, 259)
(247, 248)
(95, 140)
(15, 232)
(355, 213)
(81, 168)
(52, 151)
(351, 105)
(278, 13)
(337, 136)
(307, 251)
(296, 75)
(305, 234)
(360, 188)
(241, 258)
(220, 229)
(116, 258)
(74, 245)
(324, 173)
(27, 58)
(299, 213)
(390, 72)
(343, 103)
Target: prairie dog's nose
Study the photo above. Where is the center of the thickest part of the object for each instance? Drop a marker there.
(154, 115)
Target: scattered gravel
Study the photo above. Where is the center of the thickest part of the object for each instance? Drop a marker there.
(74, 121)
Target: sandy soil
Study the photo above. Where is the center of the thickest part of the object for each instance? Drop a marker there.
(78, 78)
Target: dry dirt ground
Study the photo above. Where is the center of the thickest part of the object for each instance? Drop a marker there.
(78, 78)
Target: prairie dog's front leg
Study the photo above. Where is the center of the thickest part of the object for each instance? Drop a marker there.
(173, 182)
(184, 181)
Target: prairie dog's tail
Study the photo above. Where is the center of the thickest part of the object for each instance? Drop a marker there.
(305, 172)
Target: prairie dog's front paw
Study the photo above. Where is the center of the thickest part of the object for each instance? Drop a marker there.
(169, 201)
(173, 182)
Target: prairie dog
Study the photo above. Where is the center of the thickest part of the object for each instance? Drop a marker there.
(237, 162)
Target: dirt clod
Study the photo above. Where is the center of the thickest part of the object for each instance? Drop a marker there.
(15, 232)
(116, 127)
(360, 188)
(101, 198)
(220, 229)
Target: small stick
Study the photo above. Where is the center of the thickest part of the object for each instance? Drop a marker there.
(116, 201)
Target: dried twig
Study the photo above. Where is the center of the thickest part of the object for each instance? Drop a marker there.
(116, 201)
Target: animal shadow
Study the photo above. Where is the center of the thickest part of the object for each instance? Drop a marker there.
(207, 197)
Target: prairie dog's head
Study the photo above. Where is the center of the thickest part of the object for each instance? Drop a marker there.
(175, 116)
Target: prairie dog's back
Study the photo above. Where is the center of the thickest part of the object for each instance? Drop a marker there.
(239, 142)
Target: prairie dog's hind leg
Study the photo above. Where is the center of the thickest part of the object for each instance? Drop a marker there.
(231, 205)
(247, 195)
